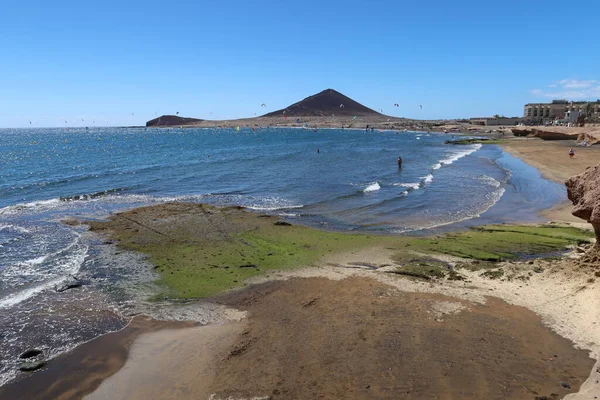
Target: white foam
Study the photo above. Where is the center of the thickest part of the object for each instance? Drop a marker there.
(373, 187)
(493, 199)
(274, 208)
(13, 228)
(490, 181)
(413, 186)
(69, 266)
(457, 156)
(34, 205)
(427, 179)
(37, 260)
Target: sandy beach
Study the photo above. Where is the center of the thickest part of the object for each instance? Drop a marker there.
(551, 158)
(358, 319)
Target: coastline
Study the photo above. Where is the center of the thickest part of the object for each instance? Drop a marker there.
(552, 160)
(541, 285)
(80, 371)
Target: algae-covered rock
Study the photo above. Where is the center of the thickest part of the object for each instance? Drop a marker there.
(32, 365)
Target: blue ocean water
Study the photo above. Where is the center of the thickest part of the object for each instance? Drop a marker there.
(334, 179)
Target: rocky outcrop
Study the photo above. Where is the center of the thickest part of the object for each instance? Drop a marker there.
(589, 138)
(172, 120)
(520, 132)
(553, 135)
(584, 191)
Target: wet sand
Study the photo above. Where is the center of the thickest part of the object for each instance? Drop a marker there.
(171, 364)
(81, 371)
(551, 158)
(355, 338)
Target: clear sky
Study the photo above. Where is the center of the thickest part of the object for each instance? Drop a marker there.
(123, 62)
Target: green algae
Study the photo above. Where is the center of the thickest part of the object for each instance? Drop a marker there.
(503, 242)
(200, 251)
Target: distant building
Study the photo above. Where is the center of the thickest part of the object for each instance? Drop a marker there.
(493, 121)
(560, 110)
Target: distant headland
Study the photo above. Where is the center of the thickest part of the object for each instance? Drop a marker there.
(328, 108)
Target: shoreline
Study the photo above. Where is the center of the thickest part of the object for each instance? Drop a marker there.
(80, 371)
(509, 292)
(551, 159)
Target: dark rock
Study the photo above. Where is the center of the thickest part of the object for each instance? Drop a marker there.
(70, 285)
(172, 120)
(282, 223)
(32, 366)
(584, 191)
(565, 385)
(31, 353)
(249, 266)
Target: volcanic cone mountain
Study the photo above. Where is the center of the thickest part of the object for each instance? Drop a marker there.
(324, 104)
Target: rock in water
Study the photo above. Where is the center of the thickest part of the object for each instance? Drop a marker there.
(70, 285)
(32, 366)
(282, 223)
(31, 353)
(584, 191)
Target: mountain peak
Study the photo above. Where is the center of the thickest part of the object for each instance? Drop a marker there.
(325, 103)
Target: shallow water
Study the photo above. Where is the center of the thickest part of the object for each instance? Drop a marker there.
(334, 179)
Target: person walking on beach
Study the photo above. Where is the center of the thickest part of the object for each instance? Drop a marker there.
(571, 153)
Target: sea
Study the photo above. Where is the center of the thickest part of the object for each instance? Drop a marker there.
(343, 180)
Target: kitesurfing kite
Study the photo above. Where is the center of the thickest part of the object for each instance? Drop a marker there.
(396, 105)
(421, 106)
(381, 110)
(29, 122)
(263, 105)
(177, 113)
(341, 106)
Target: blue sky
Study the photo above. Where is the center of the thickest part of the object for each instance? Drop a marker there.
(123, 62)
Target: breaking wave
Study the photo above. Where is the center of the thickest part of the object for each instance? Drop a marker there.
(457, 156)
(373, 187)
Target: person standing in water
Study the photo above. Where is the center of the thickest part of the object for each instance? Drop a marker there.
(571, 153)
(399, 162)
